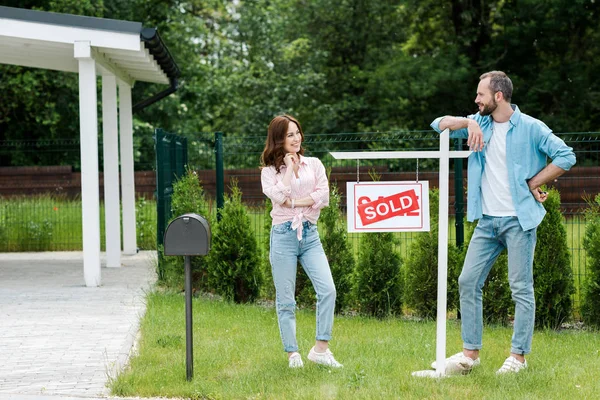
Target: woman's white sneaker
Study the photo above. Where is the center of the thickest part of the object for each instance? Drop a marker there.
(511, 366)
(295, 361)
(325, 358)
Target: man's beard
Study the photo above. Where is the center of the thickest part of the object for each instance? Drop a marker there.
(489, 108)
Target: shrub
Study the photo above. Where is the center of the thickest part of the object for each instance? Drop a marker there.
(552, 272)
(422, 268)
(337, 248)
(590, 307)
(38, 232)
(378, 276)
(188, 197)
(497, 299)
(234, 267)
(268, 286)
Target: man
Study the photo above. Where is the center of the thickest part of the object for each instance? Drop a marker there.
(505, 173)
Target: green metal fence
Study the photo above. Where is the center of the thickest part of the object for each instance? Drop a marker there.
(53, 221)
(241, 158)
(171, 161)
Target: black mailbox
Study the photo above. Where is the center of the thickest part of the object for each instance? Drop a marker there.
(187, 235)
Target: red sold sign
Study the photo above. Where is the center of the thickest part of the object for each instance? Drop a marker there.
(403, 203)
(392, 206)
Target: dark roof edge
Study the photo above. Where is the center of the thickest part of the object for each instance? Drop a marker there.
(159, 51)
(47, 17)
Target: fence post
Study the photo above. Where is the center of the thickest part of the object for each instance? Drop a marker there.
(159, 134)
(220, 175)
(458, 196)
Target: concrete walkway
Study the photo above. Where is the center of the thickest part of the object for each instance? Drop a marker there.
(60, 338)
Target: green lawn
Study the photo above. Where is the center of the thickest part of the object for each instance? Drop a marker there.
(238, 355)
(52, 223)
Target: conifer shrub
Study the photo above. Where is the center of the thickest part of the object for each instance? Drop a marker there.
(420, 293)
(268, 288)
(337, 248)
(498, 306)
(497, 301)
(378, 277)
(233, 264)
(590, 307)
(188, 197)
(552, 271)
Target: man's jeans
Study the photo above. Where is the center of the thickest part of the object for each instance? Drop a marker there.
(491, 236)
(286, 251)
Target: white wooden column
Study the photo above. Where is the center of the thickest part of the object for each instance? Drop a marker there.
(127, 176)
(110, 136)
(88, 127)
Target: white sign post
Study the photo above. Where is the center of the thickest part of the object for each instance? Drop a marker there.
(444, 155)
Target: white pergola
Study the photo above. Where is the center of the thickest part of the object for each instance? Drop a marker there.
(121, 52)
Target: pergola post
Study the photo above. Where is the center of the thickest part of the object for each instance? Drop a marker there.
(112, 217)
(88, 126)
(127, 175)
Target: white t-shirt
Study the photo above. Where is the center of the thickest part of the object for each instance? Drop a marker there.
(495, 188)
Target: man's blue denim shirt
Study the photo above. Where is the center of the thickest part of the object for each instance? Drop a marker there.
(528, 144)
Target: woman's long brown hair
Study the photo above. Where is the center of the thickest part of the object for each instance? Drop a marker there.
(273, 153)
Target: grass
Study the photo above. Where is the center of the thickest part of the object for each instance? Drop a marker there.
(53, 223)
(238, 355)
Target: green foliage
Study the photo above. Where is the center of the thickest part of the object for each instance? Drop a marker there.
(496, 297)
(338, 66)
(337, 248)
(268, 286)
(552, 271)
(497, 300)
(188, 197)
(234, 266)
(378, 277)
(420, 293)
(145, 222)
(590, 307)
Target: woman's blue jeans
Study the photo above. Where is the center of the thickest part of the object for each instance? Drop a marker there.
(491, 236)
(286, 251)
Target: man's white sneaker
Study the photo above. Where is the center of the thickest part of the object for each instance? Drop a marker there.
(295, 361)
(511, 366)
(458, 364)
(323, 358)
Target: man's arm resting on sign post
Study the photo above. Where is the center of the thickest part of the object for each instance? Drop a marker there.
(475, 138)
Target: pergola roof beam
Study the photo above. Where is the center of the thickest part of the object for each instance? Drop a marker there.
(65, 34)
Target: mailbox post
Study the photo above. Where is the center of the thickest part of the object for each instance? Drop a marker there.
(188, 235)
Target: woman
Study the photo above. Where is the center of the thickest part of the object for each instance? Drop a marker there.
(298, 188)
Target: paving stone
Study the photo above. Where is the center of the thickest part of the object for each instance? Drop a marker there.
(59, 337)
